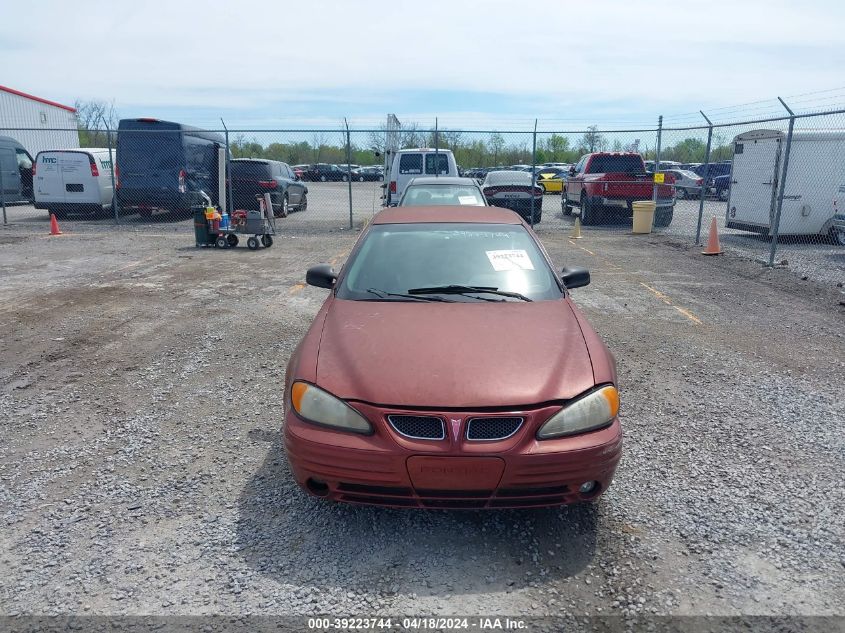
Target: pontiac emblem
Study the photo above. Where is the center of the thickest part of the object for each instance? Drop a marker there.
(456, 427)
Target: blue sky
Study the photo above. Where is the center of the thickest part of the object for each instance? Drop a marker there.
(473, 64)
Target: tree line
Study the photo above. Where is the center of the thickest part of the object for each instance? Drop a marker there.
(470, 149)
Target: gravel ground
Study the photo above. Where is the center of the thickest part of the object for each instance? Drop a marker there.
(142, 469)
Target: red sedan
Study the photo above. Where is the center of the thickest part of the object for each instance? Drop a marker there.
(449, 368)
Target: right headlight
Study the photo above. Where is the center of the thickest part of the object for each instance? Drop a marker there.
(316, 405)
(591, 411)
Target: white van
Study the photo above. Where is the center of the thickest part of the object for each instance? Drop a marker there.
(73, 181)
(815, 182)
(411, 163)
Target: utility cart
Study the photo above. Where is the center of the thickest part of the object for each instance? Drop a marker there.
(212, 229)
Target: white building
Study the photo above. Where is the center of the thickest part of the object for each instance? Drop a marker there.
(36, 123)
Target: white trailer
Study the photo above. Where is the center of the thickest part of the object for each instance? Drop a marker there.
(815, 182)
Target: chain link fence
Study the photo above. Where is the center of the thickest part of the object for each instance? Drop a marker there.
(774, 184)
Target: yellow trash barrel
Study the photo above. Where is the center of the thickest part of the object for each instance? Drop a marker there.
(643, 215)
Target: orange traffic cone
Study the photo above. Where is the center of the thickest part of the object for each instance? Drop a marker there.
(576, 231)
(54, 225)
(713, 247)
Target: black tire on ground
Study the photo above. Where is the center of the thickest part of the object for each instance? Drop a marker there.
(680, 193)
(663, 216)
(323, 178)
(344, 178)
(723, 194)
(303, 203)
(381, 178)
(252, 243)
(543, 187)
(221, 242)
(589, 214)
(232, 239)
(267, 240)
(283, 212)
(360, 179)
(565, 205)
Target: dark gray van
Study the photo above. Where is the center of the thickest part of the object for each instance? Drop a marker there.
(15, 171)
(163, 165)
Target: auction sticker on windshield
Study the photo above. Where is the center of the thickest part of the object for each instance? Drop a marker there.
(467, 199)
(510, 260)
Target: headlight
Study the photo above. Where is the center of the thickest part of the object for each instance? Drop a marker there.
(316, 405)
(589, 412)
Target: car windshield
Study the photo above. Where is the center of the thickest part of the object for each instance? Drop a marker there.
(628, 164)
(426, 195)
(395, 258)
(508, 177)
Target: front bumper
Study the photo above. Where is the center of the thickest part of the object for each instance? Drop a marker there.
(385, 468)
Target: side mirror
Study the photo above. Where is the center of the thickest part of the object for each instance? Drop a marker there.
(575, 277)
(322, 276)
(571, 171)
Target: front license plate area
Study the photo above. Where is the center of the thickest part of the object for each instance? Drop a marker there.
(455, 473)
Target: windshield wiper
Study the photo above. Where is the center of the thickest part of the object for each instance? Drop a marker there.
(383, 293)
(456, 289)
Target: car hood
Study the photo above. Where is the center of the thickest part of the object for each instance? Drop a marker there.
(462, 355)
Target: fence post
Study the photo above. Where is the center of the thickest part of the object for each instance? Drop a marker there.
(436, 149)
(3, 194)
(774, 246)
(657, 159)
(348, 167)
(111, 160)
(704, 179)
(533, 175)
(229, 201)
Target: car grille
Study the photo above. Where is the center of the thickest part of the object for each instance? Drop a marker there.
(418, 427)
(479, 429)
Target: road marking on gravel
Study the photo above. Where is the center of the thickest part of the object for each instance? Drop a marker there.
(617, 269)
(668, 302)
(296, 288)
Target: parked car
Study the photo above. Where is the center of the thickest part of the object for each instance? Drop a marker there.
(445, 191)
(74, 181)
(371, 174)
(324, 172)
(551, 179)
(713, 170)
(607, 183)
(16, 167)
(514, 190)
(163, 165)
(300, 171)
(839, 228)
(446, 397)
(253, 177)
(687, 183)
(721, 186)
(422, 161)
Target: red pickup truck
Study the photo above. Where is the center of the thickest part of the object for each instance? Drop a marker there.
(606, 183)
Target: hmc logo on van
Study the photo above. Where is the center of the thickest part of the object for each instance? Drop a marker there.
(49, 159)
(106, 164)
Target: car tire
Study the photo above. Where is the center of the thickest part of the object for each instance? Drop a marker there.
(323, 178)
(232, 239)
(285, 208)
(663, 216)
(360, 179)
(681, 193)
(221, 242)
(344, 178)
(542, 186)
(838, 236)
(588, 212)
(381, 178)
(303, 203)
(565, 205)
(723, 194)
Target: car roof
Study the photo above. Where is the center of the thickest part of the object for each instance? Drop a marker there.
(442, 180)
(446, 214)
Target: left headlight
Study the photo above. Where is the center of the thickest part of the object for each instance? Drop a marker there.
(589, 412)
(316, 405)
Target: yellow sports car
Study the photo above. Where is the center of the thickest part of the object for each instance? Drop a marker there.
(551, 179)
